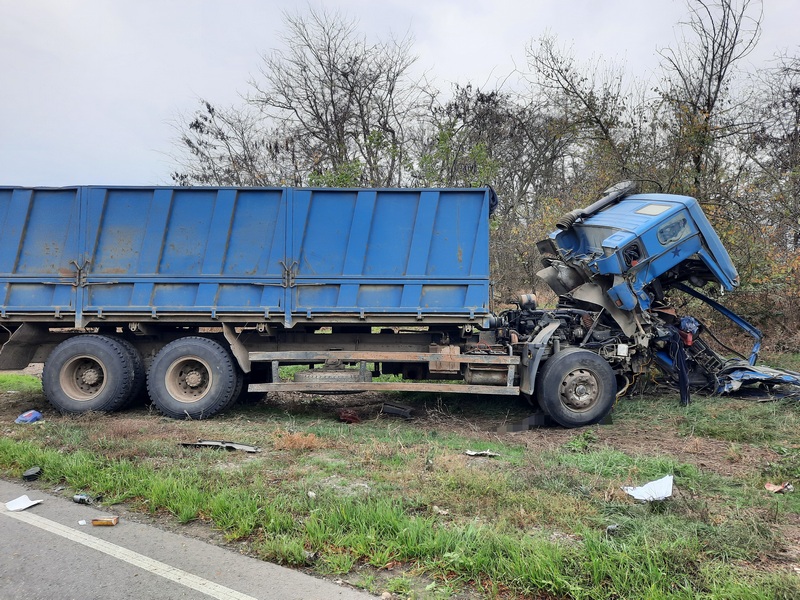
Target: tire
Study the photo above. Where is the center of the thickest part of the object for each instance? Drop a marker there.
(192, 377)
(139, 372)
(238, 390)
(88, 372)
(576, 388)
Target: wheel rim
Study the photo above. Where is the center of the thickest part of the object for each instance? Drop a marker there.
(189, 379)
(579, 390)
(83, 378)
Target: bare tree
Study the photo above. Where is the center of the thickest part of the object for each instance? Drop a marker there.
(774, 147)
(590, 97)
(697, 86)
(347, 102)
(234, 146)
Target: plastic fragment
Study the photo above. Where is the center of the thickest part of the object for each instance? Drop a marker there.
(32, 474)
(481, 453)
(660, 489)
(30, 416)
(21, 503)
(782, 488)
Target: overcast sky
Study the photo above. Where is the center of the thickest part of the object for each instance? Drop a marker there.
(90, 89)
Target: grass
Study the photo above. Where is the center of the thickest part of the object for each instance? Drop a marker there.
(15, 383)
(396, 506)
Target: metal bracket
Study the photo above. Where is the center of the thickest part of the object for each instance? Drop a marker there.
(288, 276)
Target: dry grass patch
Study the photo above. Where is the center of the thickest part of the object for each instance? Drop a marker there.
(297, 441)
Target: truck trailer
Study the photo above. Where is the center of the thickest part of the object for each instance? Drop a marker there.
(198, 294)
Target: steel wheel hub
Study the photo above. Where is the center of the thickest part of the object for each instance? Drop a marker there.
(90, 376)
(579, 390)
(193, 379)
(82, 378)
(189, 379)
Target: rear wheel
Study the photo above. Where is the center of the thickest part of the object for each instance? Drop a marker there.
(88, 373)
(576, 387)
(139, 374)
(192, 377)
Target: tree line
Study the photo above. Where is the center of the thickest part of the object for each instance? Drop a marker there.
(331, 108)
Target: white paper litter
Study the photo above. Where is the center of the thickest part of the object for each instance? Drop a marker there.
(21, 503)
(659, 489)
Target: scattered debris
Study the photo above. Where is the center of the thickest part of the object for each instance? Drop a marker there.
(30, 416)
(481, 453)
(349, 416)
(222, 444)
(82, 499)
(612, 529)
(783, 488)
(400, 410)
(21, 503)
(32, 474)
(440, 511)
(105, 521)
(82, 522)
(312, 495)
(660, 489)
(59, 488)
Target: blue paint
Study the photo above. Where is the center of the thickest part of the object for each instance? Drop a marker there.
(283, 254)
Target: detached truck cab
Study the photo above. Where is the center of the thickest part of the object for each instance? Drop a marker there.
(200, 294)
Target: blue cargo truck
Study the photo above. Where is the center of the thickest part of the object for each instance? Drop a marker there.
(195, 293)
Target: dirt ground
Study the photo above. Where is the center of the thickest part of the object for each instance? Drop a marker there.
(707, 454)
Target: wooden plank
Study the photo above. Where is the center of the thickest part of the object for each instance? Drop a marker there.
(388, 386)
(371, 356)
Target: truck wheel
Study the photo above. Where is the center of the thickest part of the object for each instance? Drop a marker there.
(576, 387)
(237, 392)
(192, 377)
(139, 373)
(88, 373)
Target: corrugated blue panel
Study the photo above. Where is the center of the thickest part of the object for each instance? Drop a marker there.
(390, 251)
(276, 252)
(184, 250)
(39, 231)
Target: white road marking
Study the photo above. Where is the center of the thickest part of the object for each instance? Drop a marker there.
(129, 556)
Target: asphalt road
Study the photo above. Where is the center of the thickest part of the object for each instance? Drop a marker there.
(46, 554)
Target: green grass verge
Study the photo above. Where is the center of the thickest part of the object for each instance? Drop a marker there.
(16, 383)
(540, 521)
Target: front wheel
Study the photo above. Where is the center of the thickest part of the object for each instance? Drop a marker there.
(576, 387)
(192, 377)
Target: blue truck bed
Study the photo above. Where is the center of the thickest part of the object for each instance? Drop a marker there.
(89, 254)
